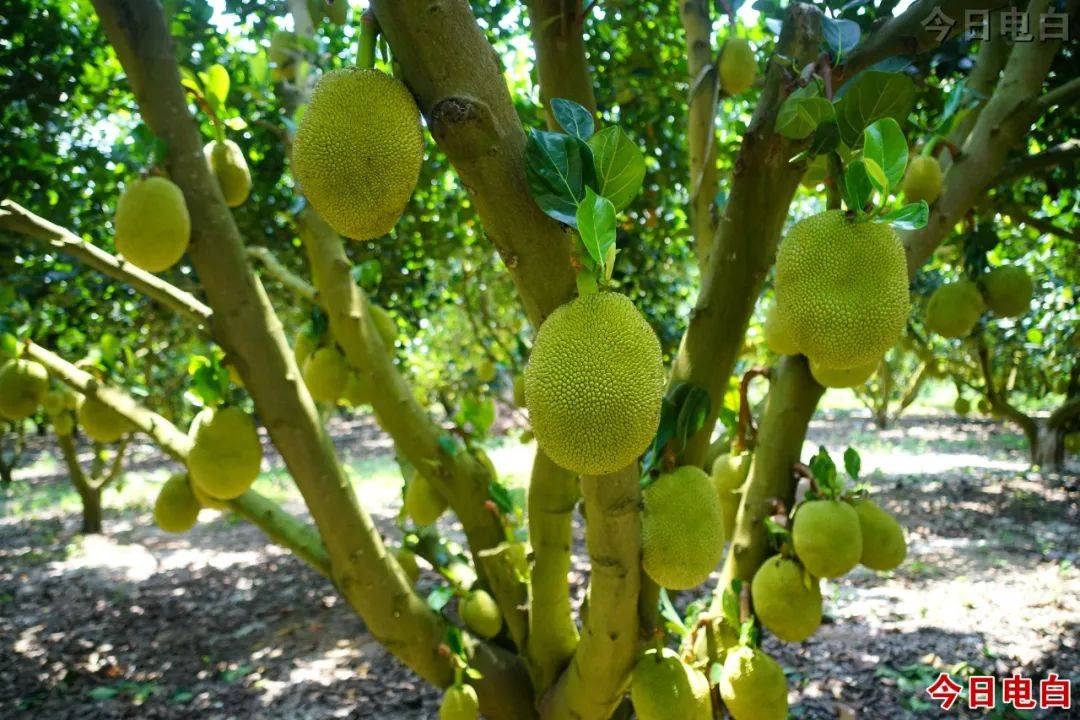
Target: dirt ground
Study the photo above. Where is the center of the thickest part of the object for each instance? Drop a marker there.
(217, 623)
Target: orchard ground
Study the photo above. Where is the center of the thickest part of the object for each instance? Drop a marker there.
(139, 623)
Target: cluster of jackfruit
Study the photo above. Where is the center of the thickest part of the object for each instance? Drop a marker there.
(152, 226)
(226, 454)
(459, 702)
(954, 308)
(841, 296)
(230, 168)
(594, 384)
(23, 384)
(738, 66)
(179, 501)
(922, 181)
(58, 405)
(325, 370)
(358, 151)
(682, 528)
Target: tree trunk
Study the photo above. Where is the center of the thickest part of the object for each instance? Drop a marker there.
(1048, 449)
(91, 510)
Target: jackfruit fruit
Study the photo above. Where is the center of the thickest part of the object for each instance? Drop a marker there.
(663, 687)
(922, 180)
(303, 346)
(423, 503)
(827, 537)
(225, 455)
(962, 406)
(984, 406)
(385, 325)
(682, 528)
(230, 167)
(594, 384)
(176, 510)
(954, 309)
(326, 374)
(407, 560)
(357, 392)
(753, 686)
(208, 501)
(728, 475)
(519, 391)
(459, 703)
(842, 289)
(783, 602)
(152, 227)
(883, 544)
(738, 66)
(54, 402)
(777, 334)
(100, 422)
(480, 613)
(358, 150)
(1007, 291)
(850, 377)
(485, 371)
(23, 384)
(63, 423)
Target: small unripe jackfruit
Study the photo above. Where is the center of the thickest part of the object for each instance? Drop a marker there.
(753, 686)
(481, 613)
(663, 687)
(738, 66)
(326, 374)
(984, 406)
(152, 224)
(827, 537)
(230, 167)
(783, 602)
(385, 325)
(777, 334)
(63, 424)
(850, 377)
(176, 510)
(285, 54)
(962, 406)
(883, 544)
(459, 703)
(954, 309)
(208, 501)
(54, 402)
(100, 422)
(842, 289)
(357, 392)
(922, 180)
(303, 346)
(23, 384)
(728, 475)
(1007, 291)
(407, 560)
(358, 151)
(423, 503)
(682, 528)
(486, 371)
(225, 455)
(594, 384)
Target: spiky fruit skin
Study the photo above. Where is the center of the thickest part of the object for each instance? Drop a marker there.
(728, 475)
(962, 406)
(230, 167)
(883, 544)
(846, 378)
(385, 325)
(407, 560)
(480, 613)
(357, 392)
(326, 374)
(783, 602)
(225, 455)
(663, 687)
(738, 66)
(176, 510)
(594, 384)
(63, 424)
(753, 686)
(827, 537)
(922, 180)
(423, 503)
(777, 333)
(303, 346)
(23, 384)
(359, 168)
(152, 225)
(842, 289)
(1007, 291)
(954, 308)
(100, 422)
(459, 703)
(682, 528)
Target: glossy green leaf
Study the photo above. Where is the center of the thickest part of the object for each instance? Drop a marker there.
(840, 35)
(910, 217)
(596, 225)
(884, 143)
(620, 165)
(558, 168)
(858, 188)
(873, 95)
(802, 112)
(574, 119)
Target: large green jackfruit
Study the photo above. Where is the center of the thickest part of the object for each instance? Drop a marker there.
(152, 224)
(778, 334)
(843, 378)
(954, 309)
(753, 686)
(883, 544)
(459, 703)
(783, 601)
(922, 180)
(100, 422)
(827, 537)
(423, 503)
(682, 528)
(23, 384)
(594, 384)
(225, 455)
(663, 687)
(176, 510)
(358, 151)
(1007, 291)
(326, 374)
(728, 475)
(738, 66)
(842, 289)
(481, 613)
(230, 167)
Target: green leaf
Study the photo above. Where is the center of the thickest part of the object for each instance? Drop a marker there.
(823, 469)
(103, 692)
(858, 189)
(802, 112)
(501, 497)
(477, 412)
(259, 68)
(558, 168)
(910, 217)
(620, 165)
(729, 603)
(876, 175)
(9, 345)
(596, 225)
(573, 118)
(873, 95)
(216, 80)
(692, 414)
(438, 598)
(840, 35)
(669, 613)
(852, 463)
(884, 143)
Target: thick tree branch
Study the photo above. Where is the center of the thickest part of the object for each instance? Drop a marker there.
(556, 29)
(1066, 153)
(1043, 225)
(1064, 95)
(997, 398)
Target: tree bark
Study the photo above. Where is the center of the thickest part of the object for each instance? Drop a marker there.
(562, 68)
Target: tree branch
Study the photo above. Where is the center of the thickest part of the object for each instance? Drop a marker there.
(1043, 225)
(303, 289)
(562, 69)
(1063, 95)
(1062, 154)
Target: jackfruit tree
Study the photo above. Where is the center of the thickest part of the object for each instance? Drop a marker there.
(374, 215)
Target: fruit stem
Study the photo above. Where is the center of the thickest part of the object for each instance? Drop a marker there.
(746, 432)
(369, 31)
